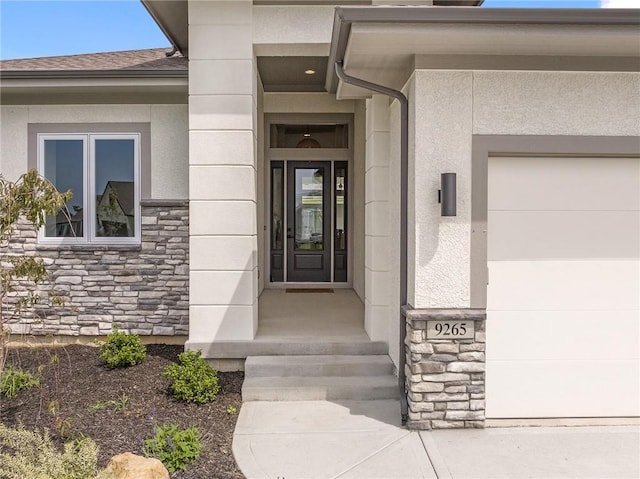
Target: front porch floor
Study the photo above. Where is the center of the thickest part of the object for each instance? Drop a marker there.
(310, 317)
(301, 324)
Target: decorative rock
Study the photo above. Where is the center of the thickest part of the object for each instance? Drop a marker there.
(421, 407)
(471, 356)
(446, 347)
(465, 367)
(445, 377)
(464, 415)
(422, 348)
(428, 367)
(446, 397)
(130, 466)
(428, 387)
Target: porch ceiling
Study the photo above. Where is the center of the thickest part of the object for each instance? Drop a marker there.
(280, 74)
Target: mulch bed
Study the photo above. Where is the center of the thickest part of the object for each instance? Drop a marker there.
(75, 377)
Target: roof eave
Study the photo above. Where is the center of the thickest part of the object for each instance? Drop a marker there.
(345, 16)
(172, 17)
(90, 74)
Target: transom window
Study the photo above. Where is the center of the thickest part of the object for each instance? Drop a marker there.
(102, 171)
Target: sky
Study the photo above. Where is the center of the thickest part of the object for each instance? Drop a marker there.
(35, 28)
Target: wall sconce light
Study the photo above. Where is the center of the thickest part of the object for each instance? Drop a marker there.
(447, 196)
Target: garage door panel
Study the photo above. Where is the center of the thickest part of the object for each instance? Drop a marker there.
(539, 389)
(563, 335)
(527, 235)
(564, 184)
(563, 285)
(563, 293)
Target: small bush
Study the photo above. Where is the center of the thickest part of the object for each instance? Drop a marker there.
(33, 455)
(193, 380)
(15, 380)
(122, 349)
(117, 405)
(174, 447)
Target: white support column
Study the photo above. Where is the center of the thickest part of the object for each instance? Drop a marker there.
(377, 232)
(222, 173)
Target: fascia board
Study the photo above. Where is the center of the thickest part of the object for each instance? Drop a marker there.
(7, 83)
(93, 74)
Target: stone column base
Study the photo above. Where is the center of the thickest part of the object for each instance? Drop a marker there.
(445, 378)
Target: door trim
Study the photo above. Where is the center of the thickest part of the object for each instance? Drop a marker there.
(325, 154)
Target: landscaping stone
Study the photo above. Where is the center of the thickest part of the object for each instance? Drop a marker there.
(131, 466)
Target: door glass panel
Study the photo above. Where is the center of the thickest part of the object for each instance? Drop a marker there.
(63, 167)
(341, 212)
(308, 209)
(114, 176)
(277, 206)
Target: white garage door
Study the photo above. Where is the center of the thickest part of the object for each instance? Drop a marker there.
(563, 305)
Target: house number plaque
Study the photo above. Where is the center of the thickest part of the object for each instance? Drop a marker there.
(438, 329)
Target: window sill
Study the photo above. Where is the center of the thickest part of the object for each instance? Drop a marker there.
(88, 247)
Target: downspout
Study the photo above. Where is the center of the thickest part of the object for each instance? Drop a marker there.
(404, 169)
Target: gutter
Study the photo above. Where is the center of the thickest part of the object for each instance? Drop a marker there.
(404, 174)
(346, 16)
(161, 26)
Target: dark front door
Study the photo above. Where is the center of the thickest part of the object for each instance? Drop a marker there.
(308, 221)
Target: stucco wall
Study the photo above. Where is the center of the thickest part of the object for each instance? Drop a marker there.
(306, 28)
(169, 139)
(452, 106)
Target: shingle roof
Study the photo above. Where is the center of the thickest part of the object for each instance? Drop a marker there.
(140, 60)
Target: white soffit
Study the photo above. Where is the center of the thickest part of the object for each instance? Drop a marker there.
(384, 52)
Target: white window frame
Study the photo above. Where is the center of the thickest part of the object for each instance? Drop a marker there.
(89, 207)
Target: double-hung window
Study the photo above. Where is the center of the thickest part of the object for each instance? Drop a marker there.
(103, 172)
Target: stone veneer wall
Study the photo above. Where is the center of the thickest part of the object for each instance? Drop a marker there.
(445, 379)
(142, 289)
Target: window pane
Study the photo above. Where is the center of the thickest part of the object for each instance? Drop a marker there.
(114, 188)
(63, 166)
(309, 136)
(309, 194)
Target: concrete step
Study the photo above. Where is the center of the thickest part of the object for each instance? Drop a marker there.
(286, 347)
(315, 365)
(315, 388)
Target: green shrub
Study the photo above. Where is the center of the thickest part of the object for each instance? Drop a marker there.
(33, 455)
(174, 447)
(15, 380)
(193, 380)
(122, 349)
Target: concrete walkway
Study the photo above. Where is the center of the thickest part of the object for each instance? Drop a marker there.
(363, 439)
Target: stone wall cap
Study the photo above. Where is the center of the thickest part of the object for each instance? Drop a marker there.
(88, 247)
(165, 203)
(443, 314)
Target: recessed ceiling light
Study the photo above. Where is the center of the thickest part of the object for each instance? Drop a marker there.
(310, 72)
